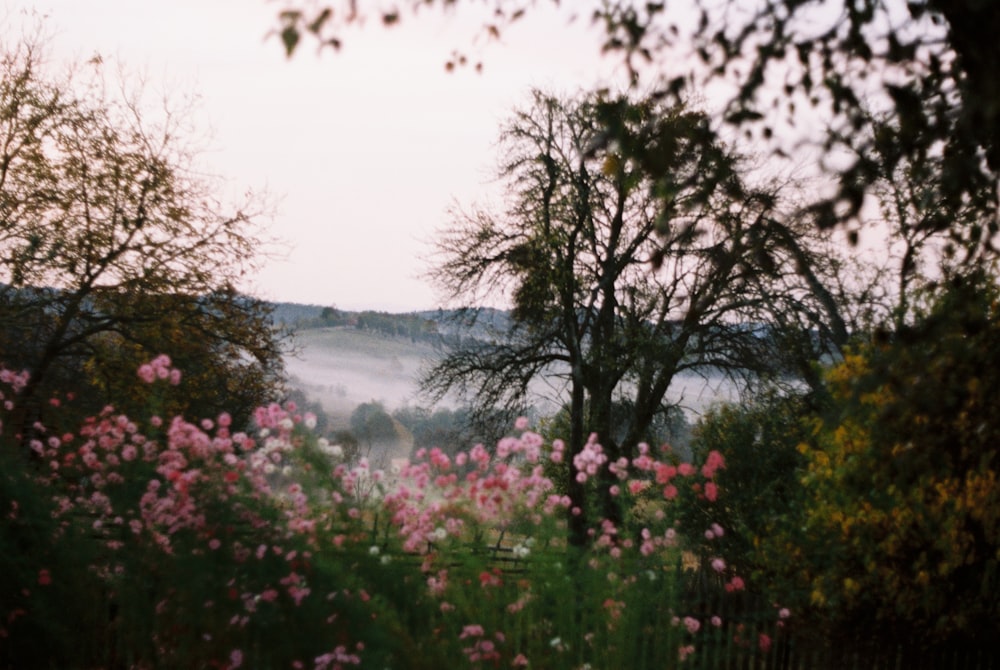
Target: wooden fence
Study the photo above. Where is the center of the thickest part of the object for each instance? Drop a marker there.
(736, 644)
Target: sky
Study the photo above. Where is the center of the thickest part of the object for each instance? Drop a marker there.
(363, 151)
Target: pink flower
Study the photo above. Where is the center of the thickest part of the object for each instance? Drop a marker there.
(664, 473)
(711, 491)
(714, 462)
(235, 658)
(519, 661)
(521, 423)
(472, 630)
(764, 640)
(146, 373)
(44, 577)
(718, 564)
(691, 624)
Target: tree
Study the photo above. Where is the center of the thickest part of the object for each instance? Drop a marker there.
(375, 428)
(114, 248)
(614, 295)
(791, 65)
(449, 430)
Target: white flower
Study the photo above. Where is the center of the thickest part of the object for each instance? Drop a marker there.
(374, 550)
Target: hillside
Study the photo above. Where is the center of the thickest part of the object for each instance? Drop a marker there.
(343, 367)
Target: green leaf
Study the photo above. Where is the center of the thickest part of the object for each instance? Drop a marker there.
(290, 38)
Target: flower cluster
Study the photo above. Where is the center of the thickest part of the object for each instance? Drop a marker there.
(245, 528)
(159, 368)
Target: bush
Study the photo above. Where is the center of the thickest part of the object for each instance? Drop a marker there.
(178, 544)
(900, 530)
(759, 441)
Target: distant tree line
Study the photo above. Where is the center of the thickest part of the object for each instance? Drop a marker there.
(414, 326)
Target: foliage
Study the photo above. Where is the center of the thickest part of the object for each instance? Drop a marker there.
(450, 430)
(371, 423)
(899, 529)
(790, 68)
(168, 543)
(114, 245)
(759, 440)
(414, 326)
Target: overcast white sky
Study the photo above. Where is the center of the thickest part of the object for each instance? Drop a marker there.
(364, 149)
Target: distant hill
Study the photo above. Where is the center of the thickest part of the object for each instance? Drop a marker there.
(292, 313)
(435, 327)
(342, 367)
(345, 358)
(376, 356)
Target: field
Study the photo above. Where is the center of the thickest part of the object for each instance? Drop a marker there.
(343, 367)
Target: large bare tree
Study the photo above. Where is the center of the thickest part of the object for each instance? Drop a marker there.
(613, 293)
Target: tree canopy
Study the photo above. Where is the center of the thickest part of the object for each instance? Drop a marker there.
(868, 85)
(897, 526)
(115, 247)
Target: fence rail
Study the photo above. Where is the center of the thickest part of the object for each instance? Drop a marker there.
(735, 644)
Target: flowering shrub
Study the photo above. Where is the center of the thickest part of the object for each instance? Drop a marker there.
(174, 543)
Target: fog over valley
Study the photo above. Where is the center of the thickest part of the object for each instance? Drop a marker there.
(343, 367)
(340, 368)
